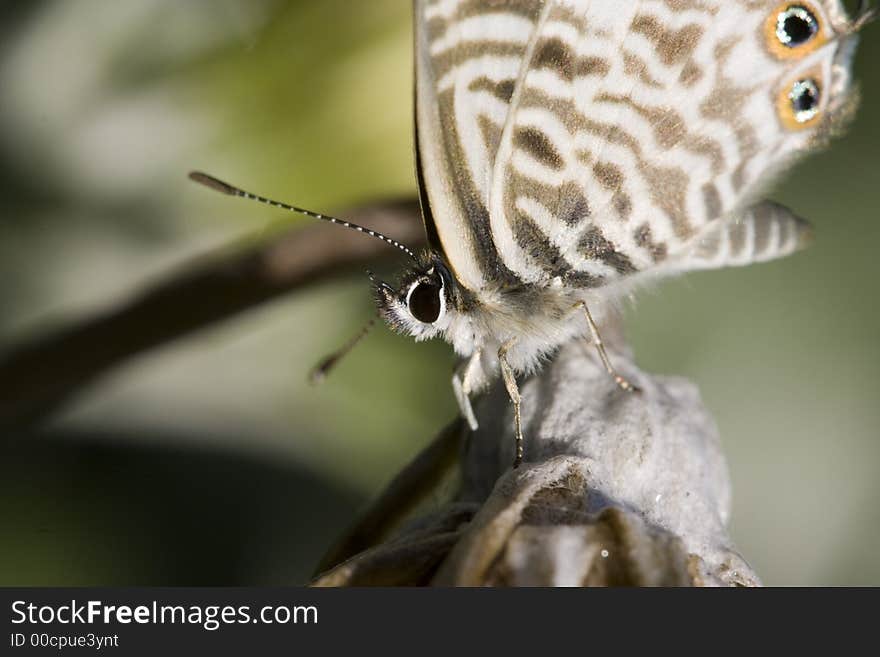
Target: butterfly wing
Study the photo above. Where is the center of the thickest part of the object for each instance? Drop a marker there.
(762, 232)
(468, 59)
(638, 127)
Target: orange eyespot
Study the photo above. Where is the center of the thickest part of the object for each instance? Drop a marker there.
(794, 29)
(799, 102)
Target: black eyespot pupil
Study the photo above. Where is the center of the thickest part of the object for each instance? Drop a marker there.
(805, 96)
(805, 101)
(795, 26)
(424, 302)
(797, 29)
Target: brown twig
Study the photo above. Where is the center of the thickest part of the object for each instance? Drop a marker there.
(39, 375)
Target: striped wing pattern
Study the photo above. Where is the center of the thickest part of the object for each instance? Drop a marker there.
(468, 58)
(762, 232)
(588, 140)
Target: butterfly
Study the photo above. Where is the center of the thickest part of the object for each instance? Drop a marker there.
(569, 150)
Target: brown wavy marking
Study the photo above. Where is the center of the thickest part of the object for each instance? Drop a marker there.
(595, 246)
(491, 135)
(609, 175)
(543, 253)
(538, 146)
(435, 27)
(554, 54)
(563, 14)
(690, 74)
(566, 201)
(563, 109)
(645, 239)
(708, 147)
(726, 101)
(449, 59)
(575, 122)
(587, 66)
(748, 149)
(584, 156)
(671, 46)
(573, 205)
(622, 204)
(670, 130)
(575, 278)
(690, 5)
(502, 90)
(667, 124)
(537, 245)
(667, 185)
(668, 189)
(633, 65)
(526, 8)
(612, 178)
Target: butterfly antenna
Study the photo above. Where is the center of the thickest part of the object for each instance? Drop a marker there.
(322, 369)
(225, 188)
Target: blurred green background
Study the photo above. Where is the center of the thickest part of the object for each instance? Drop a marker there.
(211, 461)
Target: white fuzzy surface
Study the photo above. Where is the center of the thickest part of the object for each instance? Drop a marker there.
(655, 453)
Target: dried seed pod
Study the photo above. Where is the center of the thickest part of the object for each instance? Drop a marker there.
(616, 489)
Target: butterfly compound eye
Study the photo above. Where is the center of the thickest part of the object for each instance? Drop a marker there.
(425, 301)
(795, 26)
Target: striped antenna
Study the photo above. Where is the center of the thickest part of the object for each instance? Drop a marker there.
(225, 188)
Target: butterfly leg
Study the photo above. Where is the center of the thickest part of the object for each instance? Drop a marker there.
(600, 348)
(464, 382)
(513, 391)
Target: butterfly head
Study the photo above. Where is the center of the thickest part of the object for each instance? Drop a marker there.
(422, 304)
